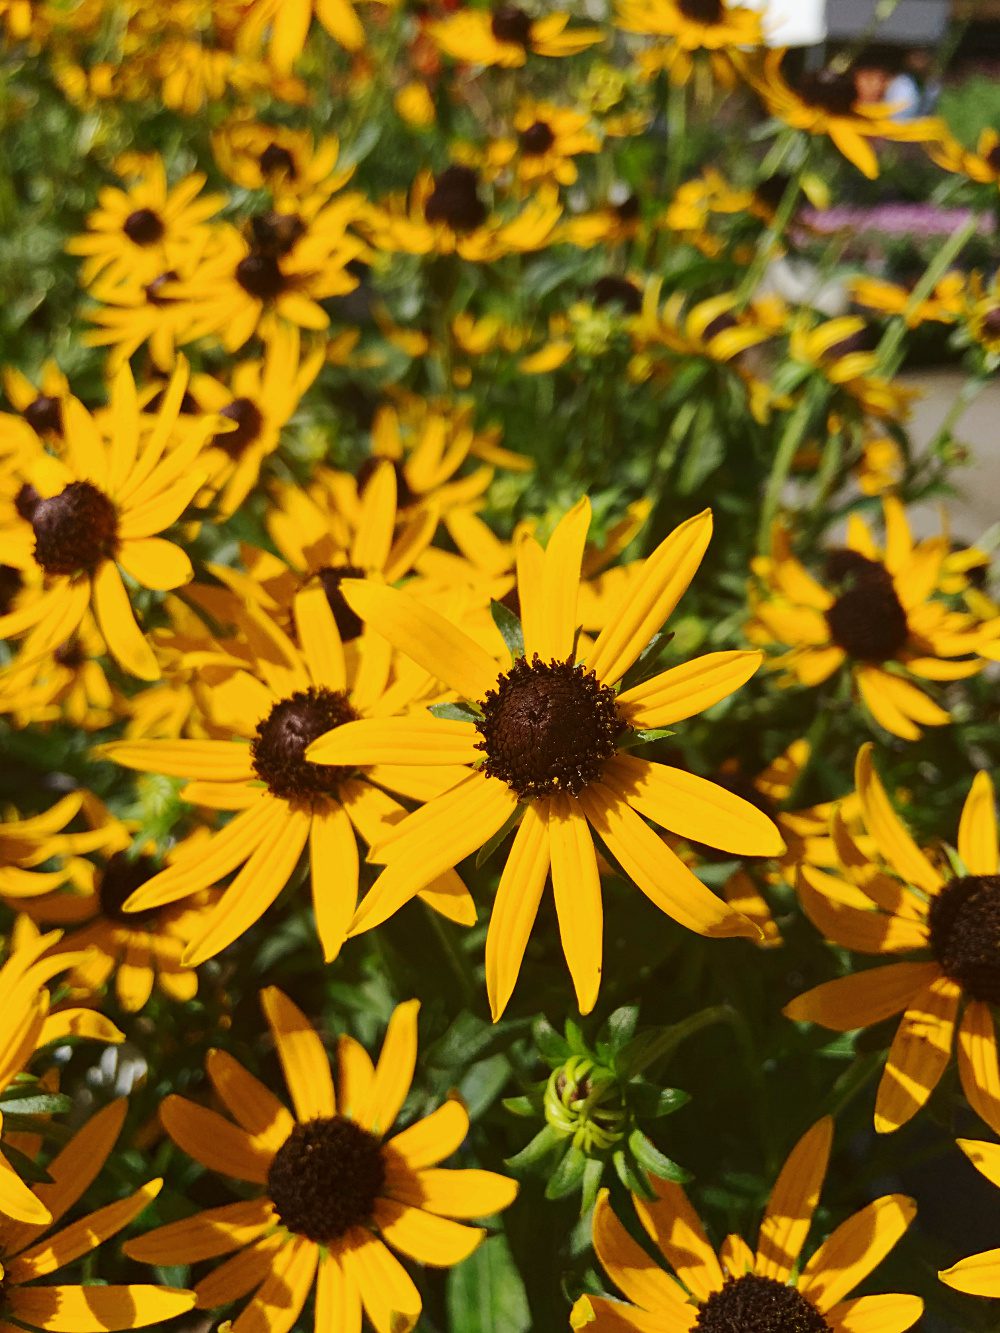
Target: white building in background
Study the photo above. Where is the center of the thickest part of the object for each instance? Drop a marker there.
(810, 22)
(792, 22)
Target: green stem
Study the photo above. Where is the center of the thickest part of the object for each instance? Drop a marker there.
(794, 433)
(456, 960)
(670, 1038)
(773, 235)
(854, 1079)
(676, 135)
(966, 396)
(889, 349)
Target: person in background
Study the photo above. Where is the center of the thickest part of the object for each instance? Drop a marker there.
(913, 92)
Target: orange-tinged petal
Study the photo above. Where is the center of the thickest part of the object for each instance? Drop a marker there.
(429, 1239)
(792, 1203)
(96, 1309)
(630, 1267)
(213, 1140)
(887, 829)
(468, 1193)
(206, 1235)
(977, 832)
(864, 998)
(394, 1070)
(516, 906)
(252, 1105)
(576, 885)
(80, 1237)
(854, 1250)
(674, 1227)
(433, 1138)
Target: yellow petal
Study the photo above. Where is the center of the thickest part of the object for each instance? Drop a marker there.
(576, 885)
(303, 1058)
(206, 1235)
(394, 1070)
(977, 832)
(875, 1314)
(97, 1309)
(652, 597)
(686, 690)
(516, 906)
(419, 738)
(561, 583)
(116, 620)
(449, 1193)
(886, 828)
(252, 1105)
(856, 1248)
(433, 1138)
(435, 644)
(864, 998)
(333, 868)
(977, 1062)
(80, 1237)
(979, 1275)
(214, 1141)
(919, 1053)
(213, 761)
(155, 563)
(630, 1267)
(674, 1228)
(437, 1241)
(792, 1203)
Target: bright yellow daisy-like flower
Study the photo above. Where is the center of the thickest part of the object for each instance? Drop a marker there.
(38, 406)
(279, 271)
(444, 214)
(130, 315)
(981, 165)
(740, 1288)
(285, 804)
(138, 232)
(944, 304)
(546, 744)
(94, 512)
(877, 613)
(898, 901)
(690, 27)
(289, 22)
(27, 1252)
(979, 1274)
(548, 138)
(27, 844)
(507, 35)
(337, 1195)
(68, 684)
(287, 162)
(827, 104)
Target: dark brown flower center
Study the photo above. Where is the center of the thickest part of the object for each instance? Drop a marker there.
(752, 1304)
(628, 209)
(702, 11)
(612, 290)
(74, 530)
(865, 340)
(833, 93)
(274, 234)
(44, 415)
(261, 277)
(537, 139)
(964, 922)
(274, 158)
(249, 423)
(770, 192)
(867, 620)
(70, 654)
(154, 290)
(722, 323)
(279, 746)
(993, 157)
(548, 728)
(325, 1178)
(11, 583)
(331, 577)
(990, 323)
(122, 875)
(144, 227)
(510, 24)
(455, 200)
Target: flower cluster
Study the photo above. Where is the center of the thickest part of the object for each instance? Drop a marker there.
(455, 575)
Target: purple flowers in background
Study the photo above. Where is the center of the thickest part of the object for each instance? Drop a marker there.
(902, 219)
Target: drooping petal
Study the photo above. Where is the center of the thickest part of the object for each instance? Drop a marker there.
(155, 563)
(333, 867)
(338, 1301)
(977, 1062)
(630, 1267)
(390, 1299)
(279, 1299)
(80, 1237)
(126, 642)
(516, 906)
(576, 885)
(213, 1140)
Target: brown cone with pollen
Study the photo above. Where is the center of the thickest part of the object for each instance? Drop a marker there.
(752, 1304)
(74, 530)
(325, 1178)
(278, 749)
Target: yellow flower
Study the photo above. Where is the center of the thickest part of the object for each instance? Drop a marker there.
(900, 901)
(740, 1288)
(878, 613)
(881, 466)
(979, 1275)
(944, 305)
(548, 139)
(84, 518)
(28, 1253)
(506, 36)
(445, 215)
(415, 105)
(981, 166)
(142, 231)
(289, 22)
(282, 803)
(287, 162)
(547, 746)
(286, 265)
(690, 27)
(131, 314)
(335, 1195)
(826, 104)
(39, 407)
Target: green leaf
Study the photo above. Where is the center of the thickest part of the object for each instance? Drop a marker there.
(568, 1175)
(536, 1151)
(646, 665)
(42, 1103)
(621, 1025)
(526, 1105)
(454, 712)
(485, 1294)
(652, 1160)
(25, 1167)
(633, 1180)
(488, 848)
(633, 739)
(551, 1045)
(592, 1176)
(510, 627)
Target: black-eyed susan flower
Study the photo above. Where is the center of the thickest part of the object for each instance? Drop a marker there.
(142, 230)
(547, 746)
(28, 1252)
(687, 28)
(337, 1195)
(548, 138)
(288, 23)
(767, 1290)
(280, 270)
(290, 696)
(26, 845)
(827, 103)
(506, 35)
(943, 305)
(288, 162)
(902, 900)
(981, 165)
(96, 511)
(130, 315)
(979, 1274)
(38, 405)
(446, 214)
(70, 684)
(878, 613)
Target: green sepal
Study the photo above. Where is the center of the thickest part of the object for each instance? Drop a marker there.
(593, 1173)
(534, 1153)
(568, 1175)
(455, 712)
(488, 848)
(25, 1167)
(652, 1160)
(510, 628)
